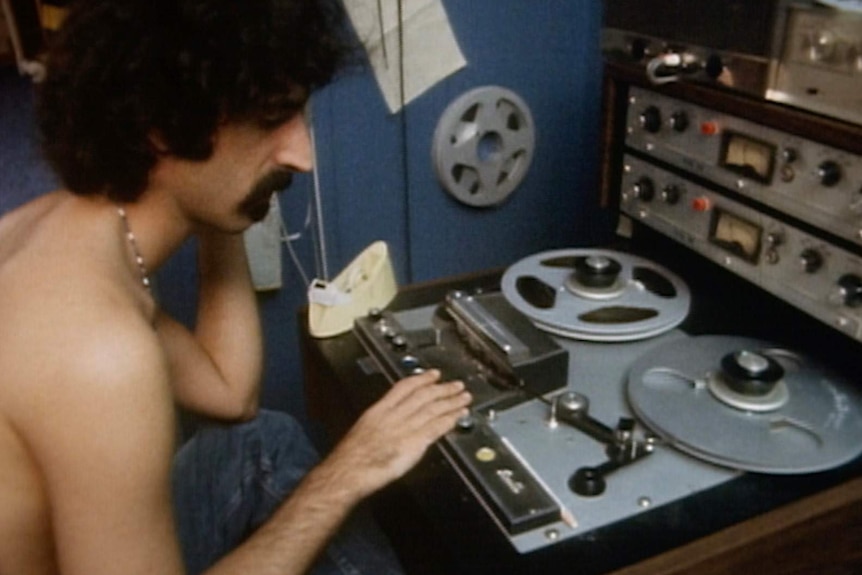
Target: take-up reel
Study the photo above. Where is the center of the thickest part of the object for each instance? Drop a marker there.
(596, 295)
(747, 404)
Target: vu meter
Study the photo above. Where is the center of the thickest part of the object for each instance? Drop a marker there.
(736, 235)
(747, 156)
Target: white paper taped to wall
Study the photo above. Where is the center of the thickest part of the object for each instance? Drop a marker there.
(430, 49)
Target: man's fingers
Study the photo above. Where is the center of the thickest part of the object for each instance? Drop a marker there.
(427, 401)
(449, 398)
(392, 435)
(438, 427)
(407, 386)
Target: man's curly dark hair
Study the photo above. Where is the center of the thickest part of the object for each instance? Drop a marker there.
(129, 80)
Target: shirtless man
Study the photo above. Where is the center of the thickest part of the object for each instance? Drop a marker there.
(166, 120)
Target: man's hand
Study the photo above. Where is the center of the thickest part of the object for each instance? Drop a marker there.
(388, 439)
(394, 433)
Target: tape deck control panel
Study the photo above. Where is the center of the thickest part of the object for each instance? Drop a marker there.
(504, 360)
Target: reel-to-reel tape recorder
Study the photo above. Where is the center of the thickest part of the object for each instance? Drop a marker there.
(599, 407)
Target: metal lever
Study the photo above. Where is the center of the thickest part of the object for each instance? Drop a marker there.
(622, 448)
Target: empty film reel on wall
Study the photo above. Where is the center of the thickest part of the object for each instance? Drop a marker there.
(596, 295)
(483, 145)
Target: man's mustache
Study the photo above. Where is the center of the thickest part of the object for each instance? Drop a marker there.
(273, 182)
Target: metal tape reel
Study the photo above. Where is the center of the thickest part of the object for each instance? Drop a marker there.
(596, 295)
(483, 145)
(817, 426)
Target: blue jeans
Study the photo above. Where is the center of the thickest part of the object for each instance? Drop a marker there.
(228, 480)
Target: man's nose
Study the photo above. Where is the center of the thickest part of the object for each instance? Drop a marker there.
(294, 146)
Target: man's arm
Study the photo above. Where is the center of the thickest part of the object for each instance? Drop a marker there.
(216, 370)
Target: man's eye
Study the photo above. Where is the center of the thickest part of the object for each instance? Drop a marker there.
(270, 121)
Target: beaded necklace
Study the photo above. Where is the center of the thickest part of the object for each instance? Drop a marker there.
(139, 259)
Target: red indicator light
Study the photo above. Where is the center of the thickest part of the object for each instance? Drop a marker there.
(701, 204)
(708, 128)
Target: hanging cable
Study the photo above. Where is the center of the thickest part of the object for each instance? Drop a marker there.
(288, 238)
(319, 236)
(405, 164)
(382, 33)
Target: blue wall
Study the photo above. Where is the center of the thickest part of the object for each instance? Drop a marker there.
(23, 173)
(377, 184)
(546, 52)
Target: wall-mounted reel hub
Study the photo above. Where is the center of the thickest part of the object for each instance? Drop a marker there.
(483, 145)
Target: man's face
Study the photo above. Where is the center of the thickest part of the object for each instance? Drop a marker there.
(232, 189)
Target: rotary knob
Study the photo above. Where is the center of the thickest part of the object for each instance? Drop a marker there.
(638, 49)
(775, 238)
(644, 189)
(650, 119)
(399, 342)
(679, 121)
(810, 260)
(714, 66)
(411, 364)
(850, 290)
(466, 424)
(829, 173)
(670, 194)
(789, 155)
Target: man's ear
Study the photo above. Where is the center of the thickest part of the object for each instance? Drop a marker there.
(157, 143)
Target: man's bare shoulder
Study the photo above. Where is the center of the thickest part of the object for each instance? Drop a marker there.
(86, 390)
(68, 316)
(73, 338)
(49, 342)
